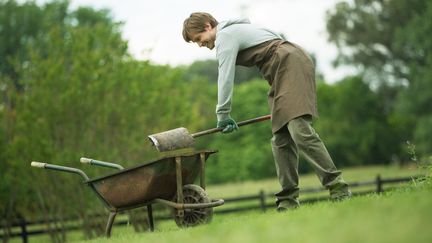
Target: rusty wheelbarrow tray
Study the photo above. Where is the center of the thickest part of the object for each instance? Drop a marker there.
(168, 180)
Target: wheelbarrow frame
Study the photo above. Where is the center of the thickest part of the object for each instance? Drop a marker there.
(114, 208)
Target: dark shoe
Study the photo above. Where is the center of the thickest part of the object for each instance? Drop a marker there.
(342, 196)
(339, 191)
(287, 206)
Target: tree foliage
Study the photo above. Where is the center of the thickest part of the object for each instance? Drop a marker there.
(80, 94)
(390, 40)
(370, 34)
(245, 154)
(353, 124)
(208, 69)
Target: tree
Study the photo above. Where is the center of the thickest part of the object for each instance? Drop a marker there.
(208, 69)
(82, 95)
(52, 59)
(368, 34)
(244, 154)
(388, 41)
(353, 125)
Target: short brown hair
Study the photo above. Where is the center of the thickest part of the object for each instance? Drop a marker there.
(196, 24)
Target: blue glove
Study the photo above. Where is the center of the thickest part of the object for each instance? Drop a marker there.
(229, 125)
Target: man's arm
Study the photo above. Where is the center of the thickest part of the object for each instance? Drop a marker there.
(227, 50)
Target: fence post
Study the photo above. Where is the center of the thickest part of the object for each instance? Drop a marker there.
(262, 200)
(6, 226)
(23, 226)
(379, 184)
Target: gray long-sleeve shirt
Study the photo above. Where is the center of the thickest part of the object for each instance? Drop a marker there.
(231, 37)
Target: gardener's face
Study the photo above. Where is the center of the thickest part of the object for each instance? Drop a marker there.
(205, 38)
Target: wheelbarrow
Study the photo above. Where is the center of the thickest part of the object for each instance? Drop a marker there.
(168, 180)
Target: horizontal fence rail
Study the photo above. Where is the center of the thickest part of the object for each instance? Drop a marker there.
(19, 228)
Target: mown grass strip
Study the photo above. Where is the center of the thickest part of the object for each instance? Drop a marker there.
(402, 215)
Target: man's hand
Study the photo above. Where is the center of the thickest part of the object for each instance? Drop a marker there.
(229, 125)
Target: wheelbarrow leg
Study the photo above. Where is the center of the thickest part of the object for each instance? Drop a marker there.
(110, 223)
(202, 170)
(180, 212)
(150, 217)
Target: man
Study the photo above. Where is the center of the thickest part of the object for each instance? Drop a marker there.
(292, 97)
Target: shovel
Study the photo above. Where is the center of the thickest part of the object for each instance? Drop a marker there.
(180, 138)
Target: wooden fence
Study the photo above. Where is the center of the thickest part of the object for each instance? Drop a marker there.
(20, 228)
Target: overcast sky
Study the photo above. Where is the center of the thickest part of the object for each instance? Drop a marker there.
(153, 28)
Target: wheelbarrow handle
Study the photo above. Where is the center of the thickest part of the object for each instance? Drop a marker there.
(101, 163)
(242, 123)
(59, 168)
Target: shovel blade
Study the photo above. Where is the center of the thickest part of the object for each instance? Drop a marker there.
(178, 138)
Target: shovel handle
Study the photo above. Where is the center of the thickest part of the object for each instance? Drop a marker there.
(242, 123)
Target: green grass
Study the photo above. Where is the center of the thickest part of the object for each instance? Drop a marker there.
(403, 215)
(353, 174)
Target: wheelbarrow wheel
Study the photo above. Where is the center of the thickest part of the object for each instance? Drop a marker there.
(192, 217)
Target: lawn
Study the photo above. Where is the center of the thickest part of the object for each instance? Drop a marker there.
(353, 174)
(401, 215)
(401, 212)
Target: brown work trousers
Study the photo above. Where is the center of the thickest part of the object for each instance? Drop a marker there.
(299, 135)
